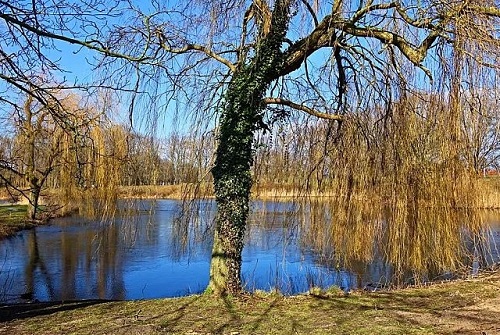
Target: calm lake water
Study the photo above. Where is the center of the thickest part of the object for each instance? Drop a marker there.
(151, 255)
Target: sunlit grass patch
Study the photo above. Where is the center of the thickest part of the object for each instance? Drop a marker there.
(12, 219)
(466, 305)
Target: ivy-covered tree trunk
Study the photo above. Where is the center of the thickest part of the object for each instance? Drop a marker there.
(240, 118)
(232, 181)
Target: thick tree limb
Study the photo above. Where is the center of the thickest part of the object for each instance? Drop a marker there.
(323, 35)
(308, 110)
(414, 54)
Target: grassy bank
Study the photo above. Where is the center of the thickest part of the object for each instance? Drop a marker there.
(461, 307)
(12, 219)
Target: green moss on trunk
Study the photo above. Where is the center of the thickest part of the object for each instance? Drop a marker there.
(240, 118)
(233, 181)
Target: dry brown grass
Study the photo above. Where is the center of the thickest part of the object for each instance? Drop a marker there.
(462, 307)
(179, 191)
(5, 195)
(489, 196)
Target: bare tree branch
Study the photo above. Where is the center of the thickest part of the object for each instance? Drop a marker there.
(302, 108)
(311, 11)
(486, 10)
(199, 48)
(93, 44)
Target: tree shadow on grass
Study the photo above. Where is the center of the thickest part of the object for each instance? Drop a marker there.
(431, 310)
(211, 314)
(22, 311)
(460, 314)
(216, 315)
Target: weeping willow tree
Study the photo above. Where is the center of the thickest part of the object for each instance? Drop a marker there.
(32, 153)
(75, 157)
(390, 188)
(253, 63)
(91, 167)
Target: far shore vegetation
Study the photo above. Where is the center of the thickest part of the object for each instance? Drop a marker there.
(13, 219)
(13, 212)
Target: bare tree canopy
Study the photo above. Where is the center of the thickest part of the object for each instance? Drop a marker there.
(200, 45)
(251, 63)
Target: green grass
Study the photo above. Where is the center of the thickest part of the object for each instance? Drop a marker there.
(465, 307)
(12, 219)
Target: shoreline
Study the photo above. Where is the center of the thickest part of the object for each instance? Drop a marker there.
(466, 306)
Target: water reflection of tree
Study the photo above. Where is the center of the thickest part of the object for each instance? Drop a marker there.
(376, 243)
(109, 264)
(90, 263)
(35, 263)
(191, 232)
(272, 223)
(424, 244)
(483, 246)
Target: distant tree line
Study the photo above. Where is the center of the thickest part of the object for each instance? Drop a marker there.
(38, 152)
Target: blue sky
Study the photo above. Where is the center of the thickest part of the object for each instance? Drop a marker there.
(76, 60)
